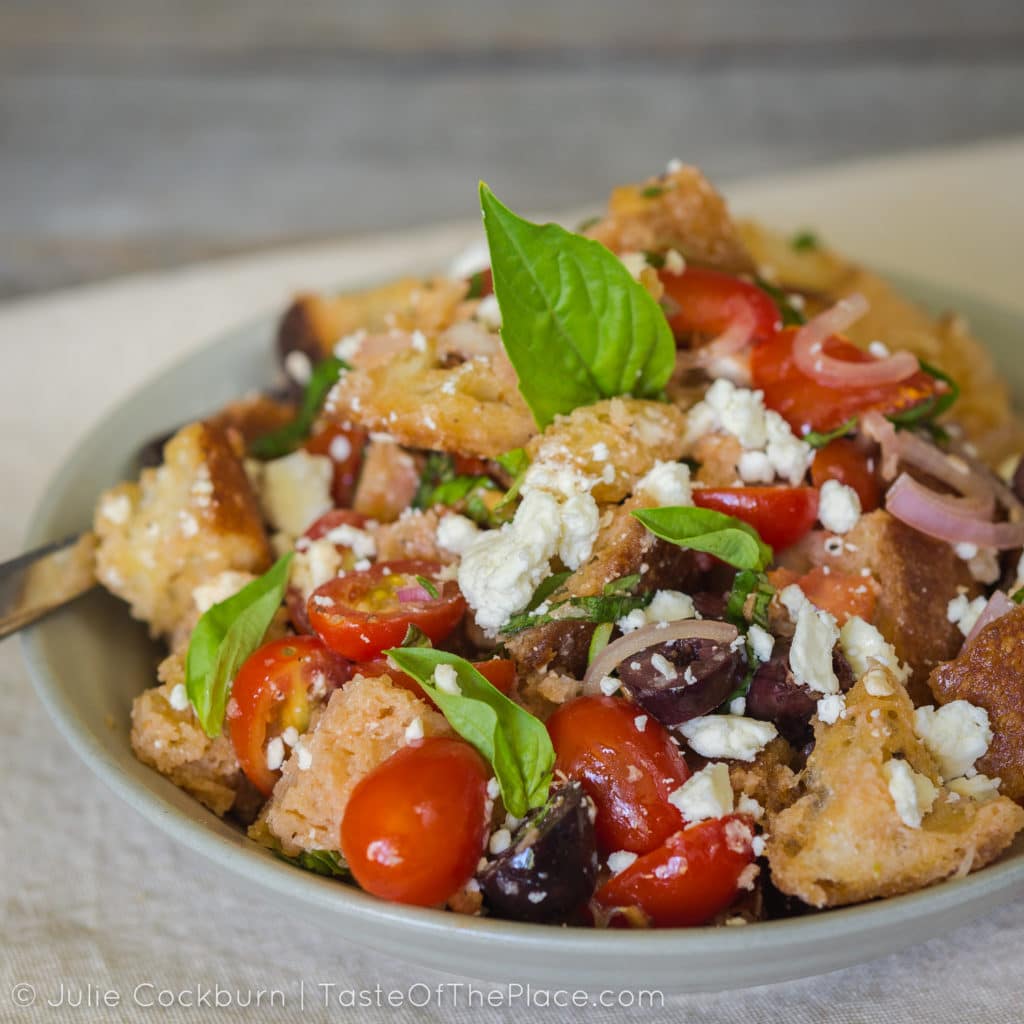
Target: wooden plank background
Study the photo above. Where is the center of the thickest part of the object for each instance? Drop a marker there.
(138, 133)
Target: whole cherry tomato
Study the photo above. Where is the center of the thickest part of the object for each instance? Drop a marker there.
(414, 827)
(628, 769)
(694, 875)
(843, 460)
(361, 614)
(271, 693)
(807, 405)
(344, 446)
(499, 672)
(707, 302)
(781, 515)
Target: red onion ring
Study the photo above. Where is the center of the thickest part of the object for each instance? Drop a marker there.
(414, 592)
(648, 636)
(810, 358)
(998, 605)
(946, 518)
(736, 337)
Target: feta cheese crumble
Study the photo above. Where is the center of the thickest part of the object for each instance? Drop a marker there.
(446, 680)
(810, 657)
(977, 787)
(455, 533)
(620, 860)
(956, 735)
(912, 793)
(728, 736)
(761, 642)
(667, 485)
(964, 613)
(832, 708)
(295, 490)
(863, 645)
(414, 730)
(705, 794)
(178, 698)
(838, 507)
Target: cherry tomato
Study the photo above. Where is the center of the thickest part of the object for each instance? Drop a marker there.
(336, 517)
(842, 594)
(499, 672)
(781, 515)
(364, 613)
(271, 693)
(414, 827)
(706, 302)
(843, 460)
(807, 405)
(627, 771)
(344, 447)
(693, 876)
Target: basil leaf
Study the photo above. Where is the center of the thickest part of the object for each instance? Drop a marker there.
(652, 191)
(515, 743)
(328, 863)
(286, 439)
(415, 637)
(224, 637)
(622, 585)
(428, 586)
(546, 588)
(804, 241)
(437, 470)
(748, 582)
(599, 640)
(703, 529)
(514, 461)
(790, 314)
(1017, 597)
(597, 608)
(818, 440)
(575, 324)
(932, 408)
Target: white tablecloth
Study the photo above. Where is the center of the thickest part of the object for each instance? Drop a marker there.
(95, 896)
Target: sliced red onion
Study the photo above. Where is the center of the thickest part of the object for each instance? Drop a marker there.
(998, 605)
(736, 337)
(412, 593)
(945, 517)
(811, 359)
(648, 636)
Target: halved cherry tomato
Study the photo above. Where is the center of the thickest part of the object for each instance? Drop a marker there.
(842, 594)
(344, 446)
(706, 302)
(499, 672)
(696, 874)
(336, 517)
(843, 460)
(781, 515)
(272, 692)
(414, 827)
(627, 771)
(807, 405)
(364, 613)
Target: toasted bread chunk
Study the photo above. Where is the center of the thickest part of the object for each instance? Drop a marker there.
(363, 724)
(171, 740)
(387, 483)
(769, 778)
(844, 840)
(678, 210)
(182, 524)
(989, 673)
(917, 578)
(253, 416)
(412, 535)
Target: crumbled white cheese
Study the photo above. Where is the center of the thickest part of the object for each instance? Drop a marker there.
(348, 347)
(728, 736)
(579, 527)
(290, 736)
(878, 683)
(219, 588)
(361, 543)
(339, 448)
(667, 485)
(640, 722)
(984, 566)
(956, 735)
(295, 490)
(178, 697)
(664, 667)
(879, 349)
(670, 606)
(977, 787)
(446, 679)
(117, 508)
(761, 642)
(965, 551)
(832, 708)
(608, 685)
(748, 805)
(275, 754)
(304, 755)
(634, 262)
(620, 860)
(314, 564)
(298, 366)
(455, 533)
(792, 599)
(755, 468)
(414, 730)
(790, 456)
(912, 793)
(838, 507)
(964, 613)
(705, 794)
(500, 841)
(674, 262)
(635, 619)
(863, 645)
(738, 706)
(810, 656)
(488, 312)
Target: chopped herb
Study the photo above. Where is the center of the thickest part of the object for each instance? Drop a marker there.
(746, 583)
(516, 462)
(924, 414)
(476, 285)
(791, 316)
(1017, 597)
(428, 586)
(441, 485)
(321, 862)
(818, 440)
(601, 608)
(438, 469)
(415, 637)
(586, 224)
(654, 259)
(546, 589)
(599, 639)
(804, 241)
(652, 191)
(286, 439)
(623, 585)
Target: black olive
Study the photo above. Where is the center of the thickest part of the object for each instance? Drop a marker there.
(550, 868)
(682, 679)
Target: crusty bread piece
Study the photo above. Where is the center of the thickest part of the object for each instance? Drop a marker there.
(387, 483)
(412, 535)
(769, 778)
(363, 724)
(677, 210)
(843, 840)
(990, 674)
(182, 524)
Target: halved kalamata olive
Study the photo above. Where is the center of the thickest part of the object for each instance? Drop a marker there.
(682, 679)
(710, 605)
(551, 867)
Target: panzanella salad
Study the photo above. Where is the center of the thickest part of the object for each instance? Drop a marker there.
(661, 573)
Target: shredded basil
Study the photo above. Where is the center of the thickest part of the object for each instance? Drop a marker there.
(599, 640)
(804, 241)
(791, 316)
(547, 588)
(817, 439)
(415, 637)
(428, 586)
(328, 863)
(597, 608)
(704, 529)
(1017, 597)
(441, 485)
(924, 414)
(622, 585)
(652, 191)
(748, 582)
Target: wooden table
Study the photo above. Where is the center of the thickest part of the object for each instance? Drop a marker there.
(136, 134)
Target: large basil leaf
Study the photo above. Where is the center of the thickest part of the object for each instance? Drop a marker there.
(704, 529)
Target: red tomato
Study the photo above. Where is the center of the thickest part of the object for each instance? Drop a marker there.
(688, 880)
(499, 672)
(482, 283)
(414, 827)
(336, 517)
(843, 460)
(271, 692)
(344, 447)
(806, 405)
(842, 594)
(781, 515)
(364, 613)
(627, 772)
(706, 302)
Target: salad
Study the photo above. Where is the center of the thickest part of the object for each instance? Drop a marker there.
(665, 572)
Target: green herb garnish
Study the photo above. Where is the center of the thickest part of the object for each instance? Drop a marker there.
(817, 439)
(224, 637)
(428, 586)
(932, 408)
(599, 639)
(328, 863)
(596, 608)
(516, 744)
(791, 316)
(1017, 597)
(286, 439)
(804, 241)
(576, 326)
(415, 637)
(546, 589)
(622, 585)
(652, 191)
(748, 582)
(703, 529)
